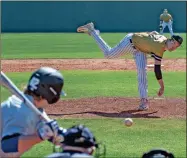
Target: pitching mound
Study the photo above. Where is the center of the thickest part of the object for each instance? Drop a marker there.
(118, 107)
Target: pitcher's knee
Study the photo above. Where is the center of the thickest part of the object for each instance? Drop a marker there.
(109, 54)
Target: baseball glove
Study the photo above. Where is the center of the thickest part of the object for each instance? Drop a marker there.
(160, 27)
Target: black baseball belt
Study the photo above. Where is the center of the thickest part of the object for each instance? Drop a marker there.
(132, 44)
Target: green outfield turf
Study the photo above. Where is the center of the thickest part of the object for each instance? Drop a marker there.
(64, 45)
(84, 83)
(122, 141)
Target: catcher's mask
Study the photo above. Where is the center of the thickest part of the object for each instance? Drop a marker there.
(81, 136)
(158, 153)
(47, 83)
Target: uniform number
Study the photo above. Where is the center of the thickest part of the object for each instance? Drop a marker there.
(34, 83)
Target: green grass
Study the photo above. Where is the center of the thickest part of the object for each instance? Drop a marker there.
(84, 83)
(64, 45)
(122, 141)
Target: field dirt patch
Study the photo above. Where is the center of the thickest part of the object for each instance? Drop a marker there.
(113, 107)
(86, 64)
(117, 107)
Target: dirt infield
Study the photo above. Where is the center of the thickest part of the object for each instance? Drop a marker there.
(118, 107)
(88, 64)
(113, 107)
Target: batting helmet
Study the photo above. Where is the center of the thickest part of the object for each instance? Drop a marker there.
(47, 83)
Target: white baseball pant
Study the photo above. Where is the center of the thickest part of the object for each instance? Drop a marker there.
(125, 46)
(169, 25)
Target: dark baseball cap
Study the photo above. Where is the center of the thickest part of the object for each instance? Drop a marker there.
(177, 38)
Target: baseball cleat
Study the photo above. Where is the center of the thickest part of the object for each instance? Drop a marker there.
(143, 105)
(86, 28)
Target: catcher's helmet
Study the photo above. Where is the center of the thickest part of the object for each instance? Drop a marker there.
(79, 136)
(158, 153)
(47, 83)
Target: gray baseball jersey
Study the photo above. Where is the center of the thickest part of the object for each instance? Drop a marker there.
(18, 118)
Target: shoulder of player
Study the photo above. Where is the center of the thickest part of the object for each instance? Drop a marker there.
(153, 33)
(156, 33)
(12, 101)
(168, 14)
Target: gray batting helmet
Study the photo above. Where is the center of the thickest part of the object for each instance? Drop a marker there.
(47, 83)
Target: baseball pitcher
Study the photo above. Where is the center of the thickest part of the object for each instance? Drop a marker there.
(22, 128)
(166, 20)
(139, 45)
